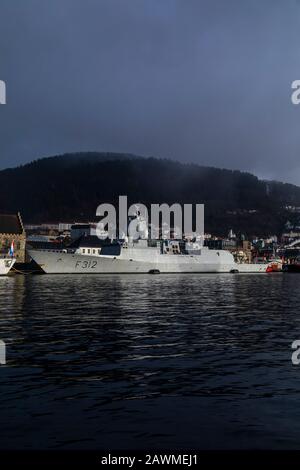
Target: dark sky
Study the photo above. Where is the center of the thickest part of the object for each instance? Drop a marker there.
(205, 81)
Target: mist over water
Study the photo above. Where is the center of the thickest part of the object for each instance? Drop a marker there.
(140, 362)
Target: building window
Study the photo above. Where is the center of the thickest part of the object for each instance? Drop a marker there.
(83, 250)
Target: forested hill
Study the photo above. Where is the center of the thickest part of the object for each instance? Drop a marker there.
(69, 188)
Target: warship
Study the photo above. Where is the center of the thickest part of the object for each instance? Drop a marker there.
(140, 255)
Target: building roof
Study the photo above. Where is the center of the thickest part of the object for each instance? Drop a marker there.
(11, 224)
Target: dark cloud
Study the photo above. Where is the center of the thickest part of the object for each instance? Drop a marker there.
(204, 81)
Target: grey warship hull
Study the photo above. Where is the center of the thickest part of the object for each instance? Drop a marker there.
(141, 260)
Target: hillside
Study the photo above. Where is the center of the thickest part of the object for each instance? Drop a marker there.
(70, 187)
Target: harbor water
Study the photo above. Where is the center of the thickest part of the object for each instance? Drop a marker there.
(150, 362)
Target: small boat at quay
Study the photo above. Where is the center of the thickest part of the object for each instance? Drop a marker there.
(6, 263)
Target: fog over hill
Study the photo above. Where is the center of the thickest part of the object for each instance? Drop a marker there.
(69, 188)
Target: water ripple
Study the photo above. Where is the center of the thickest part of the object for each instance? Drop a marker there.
(149, 361)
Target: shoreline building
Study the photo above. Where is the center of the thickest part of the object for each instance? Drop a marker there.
(12, 230)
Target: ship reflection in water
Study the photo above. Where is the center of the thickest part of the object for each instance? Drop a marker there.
(141, 362)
